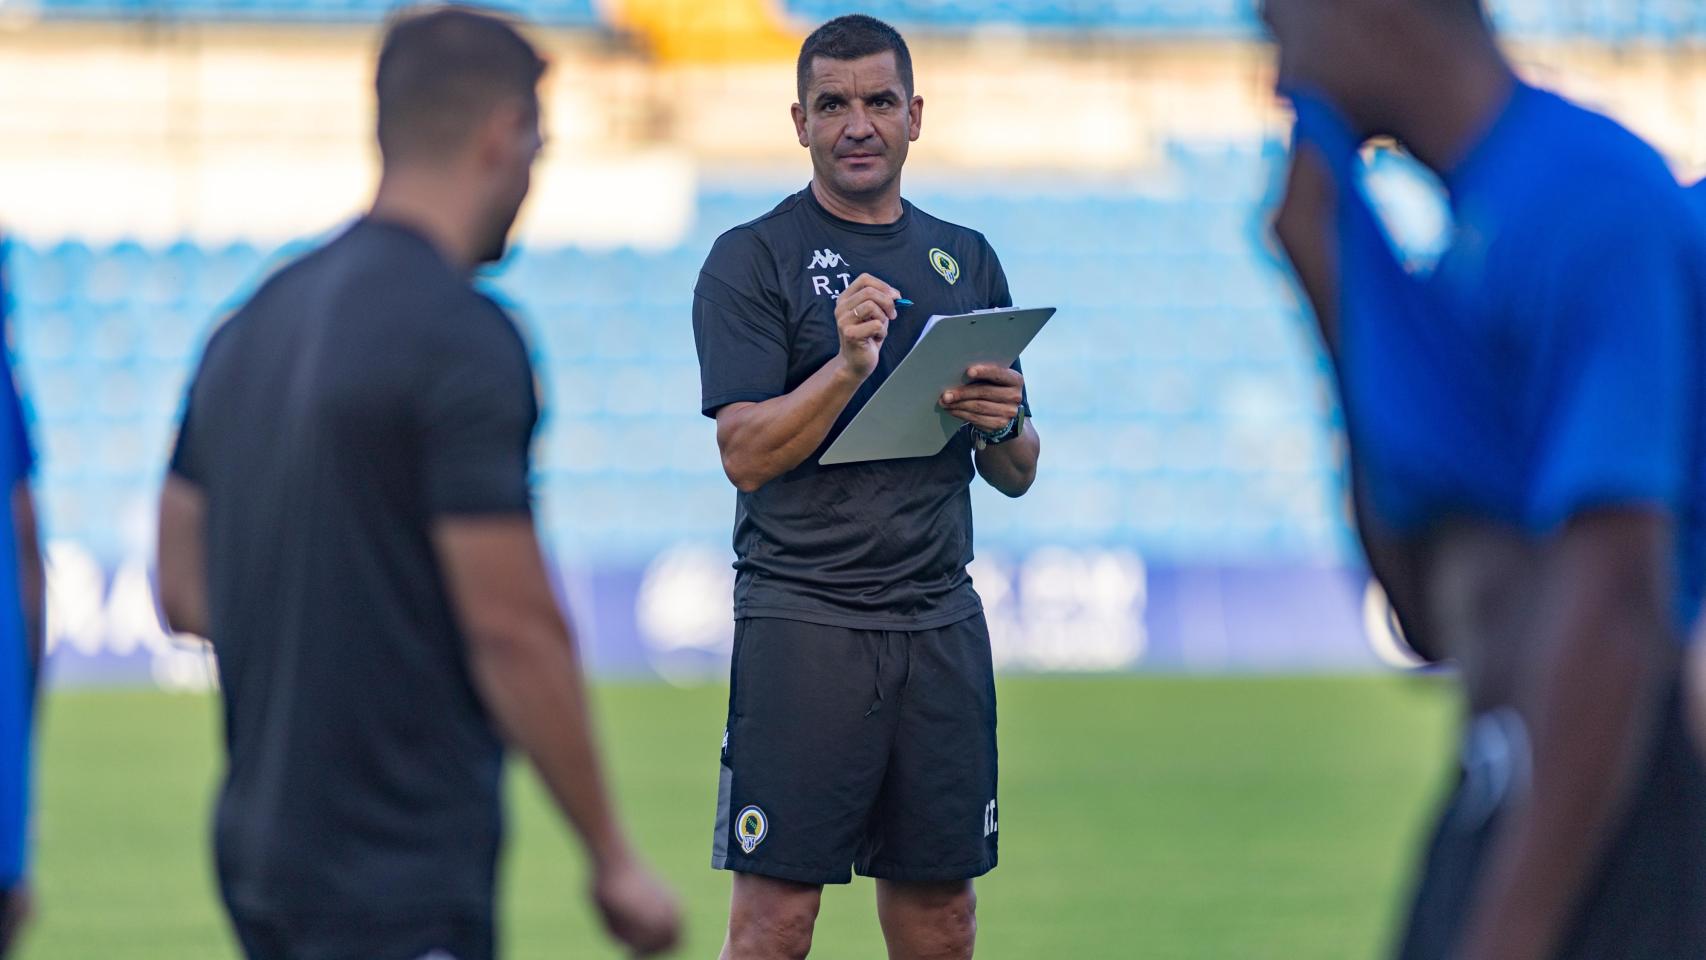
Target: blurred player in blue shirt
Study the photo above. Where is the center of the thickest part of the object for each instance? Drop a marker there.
(20, 646)
(1526, 438)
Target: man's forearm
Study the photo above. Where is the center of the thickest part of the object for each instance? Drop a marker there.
(532, 683)
(32, 573)
(1304, 227)
(1596, 729)
(181, 558)
(762, 441)
(1011, 467)
(1305, 230)
(1398, 565)
(1593, 716)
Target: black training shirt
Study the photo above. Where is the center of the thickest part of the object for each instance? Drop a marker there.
(363, 392)
(881, 545)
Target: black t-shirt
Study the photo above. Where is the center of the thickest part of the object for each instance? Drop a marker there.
(364, 391)
(881, 545)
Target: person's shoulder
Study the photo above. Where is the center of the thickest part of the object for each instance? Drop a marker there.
(758, 236)
(777, 217)
(1588, 154)
(1602, 216)
(745, 259)
(471, 337)
(278, 292)
(471, 321)
(1580, 181)
(968, 249)
(957, 233)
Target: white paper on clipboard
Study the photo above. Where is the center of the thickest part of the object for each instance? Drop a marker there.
(903, 418)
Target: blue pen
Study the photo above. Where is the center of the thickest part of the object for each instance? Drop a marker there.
(903, 303)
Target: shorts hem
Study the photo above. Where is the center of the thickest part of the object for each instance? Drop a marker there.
(784, 871)
(399, 912)
(905, 874)
(819, 618)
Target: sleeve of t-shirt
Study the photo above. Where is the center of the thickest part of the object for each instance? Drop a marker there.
(183, 462)
(477, 414)
(739, 325)
(186, 461)
(1614, 388)
(999, 297)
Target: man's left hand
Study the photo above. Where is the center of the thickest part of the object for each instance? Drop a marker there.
(990, 398)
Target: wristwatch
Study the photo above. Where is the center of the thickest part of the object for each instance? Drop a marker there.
(983, 439)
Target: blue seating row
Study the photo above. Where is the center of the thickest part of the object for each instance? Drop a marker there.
(1608, 20)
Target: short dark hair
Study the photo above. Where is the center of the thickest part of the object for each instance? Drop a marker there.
(441, 70)
(854, 37)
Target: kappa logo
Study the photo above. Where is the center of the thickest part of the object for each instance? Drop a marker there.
(945, 265)
(751, 827)
(826, 260)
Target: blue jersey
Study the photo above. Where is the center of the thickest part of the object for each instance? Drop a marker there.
(1552, 362)
(17, 676)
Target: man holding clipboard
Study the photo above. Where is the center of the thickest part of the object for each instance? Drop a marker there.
(861, 730)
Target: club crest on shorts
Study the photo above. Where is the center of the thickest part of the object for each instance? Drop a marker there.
(751, 827)
(945, 265)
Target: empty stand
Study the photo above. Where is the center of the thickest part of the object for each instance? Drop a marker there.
(1603, 20)
(1183, 403)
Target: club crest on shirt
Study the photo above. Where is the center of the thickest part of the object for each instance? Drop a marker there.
(945, 265)
(751, 827)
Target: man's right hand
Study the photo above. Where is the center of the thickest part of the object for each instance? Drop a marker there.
(640, 912)
(862, 314)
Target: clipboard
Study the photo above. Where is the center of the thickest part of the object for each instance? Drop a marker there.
(902, 419)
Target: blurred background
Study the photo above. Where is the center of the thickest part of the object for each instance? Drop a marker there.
(1229, 767)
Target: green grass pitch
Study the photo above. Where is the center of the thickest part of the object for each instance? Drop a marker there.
(1140, 817)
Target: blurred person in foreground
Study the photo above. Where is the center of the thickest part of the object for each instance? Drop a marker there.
(861, 724)
(347, 518)
(22, 595)
(1527, 446)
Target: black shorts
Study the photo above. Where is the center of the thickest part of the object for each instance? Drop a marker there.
(858, 749)
(365, 938)
(1648, 900)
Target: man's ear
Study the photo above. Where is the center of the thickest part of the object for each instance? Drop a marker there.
(799, 114)
(496, 136)
(916, 126)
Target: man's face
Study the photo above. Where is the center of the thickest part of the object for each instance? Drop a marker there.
(1331, 47)
(515, 147)
(858, 121)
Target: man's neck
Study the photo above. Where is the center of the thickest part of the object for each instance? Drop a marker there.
(1467, 85)
(427, 205)
(881, 210)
